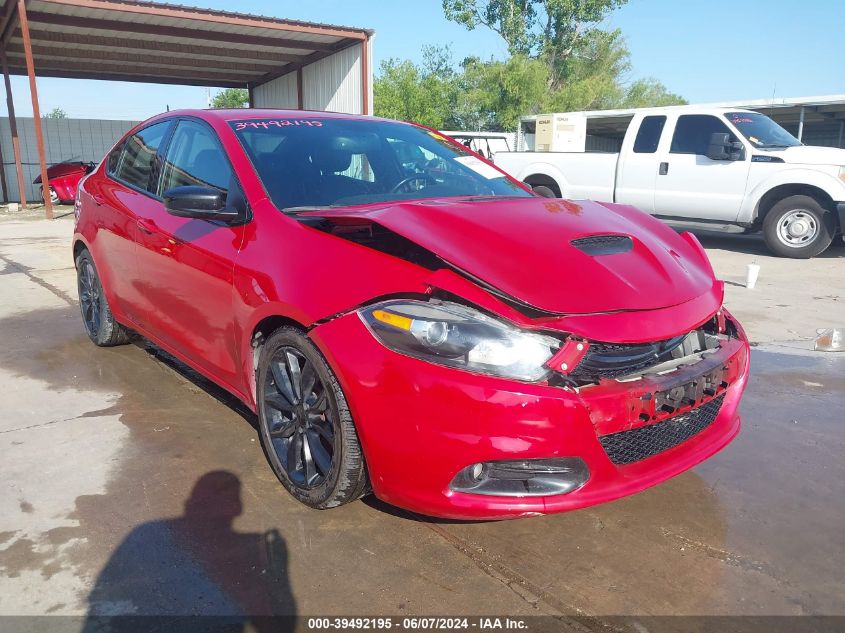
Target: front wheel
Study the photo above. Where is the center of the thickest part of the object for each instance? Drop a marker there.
(305, 425)
(798, 227)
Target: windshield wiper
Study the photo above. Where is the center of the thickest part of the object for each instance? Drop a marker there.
(306, 209)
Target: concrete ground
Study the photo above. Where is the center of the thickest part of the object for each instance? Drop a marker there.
(127, 485)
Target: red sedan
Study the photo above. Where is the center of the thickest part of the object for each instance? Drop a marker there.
(407, 319)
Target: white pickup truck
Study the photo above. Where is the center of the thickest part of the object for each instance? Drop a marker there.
(707, 168)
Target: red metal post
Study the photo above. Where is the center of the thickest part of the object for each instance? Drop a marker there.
(13, 127)
(36, 112)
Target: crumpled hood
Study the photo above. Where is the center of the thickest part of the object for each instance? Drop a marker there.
(809, 155)
(521, 248)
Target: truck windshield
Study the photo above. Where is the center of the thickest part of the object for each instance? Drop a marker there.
(761, 131)
(307, 163)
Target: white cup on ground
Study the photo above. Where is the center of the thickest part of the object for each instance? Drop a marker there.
(752, 271)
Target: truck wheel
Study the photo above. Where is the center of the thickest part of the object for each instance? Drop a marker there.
(798, 227)
(545, 191)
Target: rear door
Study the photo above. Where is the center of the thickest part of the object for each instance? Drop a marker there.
(638, 164)
(690, 185)
(185, 265)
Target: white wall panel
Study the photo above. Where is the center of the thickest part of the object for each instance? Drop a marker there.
(279, 93)
(334, 83)
(64, 139)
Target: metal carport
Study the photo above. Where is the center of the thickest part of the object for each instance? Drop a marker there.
(283, 63)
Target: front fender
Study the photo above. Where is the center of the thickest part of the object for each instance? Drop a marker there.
(791, 176)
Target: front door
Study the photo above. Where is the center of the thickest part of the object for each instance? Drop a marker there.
(185, 265)
(690, 185)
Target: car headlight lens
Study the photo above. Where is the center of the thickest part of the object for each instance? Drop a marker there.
(842, 174)
(457, 336)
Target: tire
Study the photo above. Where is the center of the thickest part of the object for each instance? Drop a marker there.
(54, 197)
(545, 191)
(798, 227)
(296, 428)
(100, 324)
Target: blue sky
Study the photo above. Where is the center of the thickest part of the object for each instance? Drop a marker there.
(705, 50)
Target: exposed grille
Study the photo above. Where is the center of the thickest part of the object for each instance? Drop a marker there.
(631, 446)
(609, 360)
(603, 244)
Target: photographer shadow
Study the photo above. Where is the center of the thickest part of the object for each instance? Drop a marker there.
(167, 573)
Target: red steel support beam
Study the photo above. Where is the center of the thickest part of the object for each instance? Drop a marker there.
(13, 127)
(205, 15)
(3, 178)
(36, 112)
(116, 27)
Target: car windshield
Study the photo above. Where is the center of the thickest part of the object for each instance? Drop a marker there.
(331, 162)
(761, 131)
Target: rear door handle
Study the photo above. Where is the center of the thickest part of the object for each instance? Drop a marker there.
(98, 200)
(664, 169)
(147, 226)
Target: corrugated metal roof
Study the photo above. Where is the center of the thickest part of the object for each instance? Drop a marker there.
(135, 40)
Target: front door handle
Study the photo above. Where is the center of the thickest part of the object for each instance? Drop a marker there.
(664, 169)
(147, 226)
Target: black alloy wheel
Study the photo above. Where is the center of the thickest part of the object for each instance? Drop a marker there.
(305, 424)
(89, 297)
(100, 324)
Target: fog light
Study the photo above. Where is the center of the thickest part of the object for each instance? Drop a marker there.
(523, 478)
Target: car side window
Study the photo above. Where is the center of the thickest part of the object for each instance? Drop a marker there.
(195, 157)
(692, 133)
(648, 136)
(136, 163)
(114, 158)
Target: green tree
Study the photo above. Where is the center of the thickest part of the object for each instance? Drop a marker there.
(56, 113)
(551, 30)
(650, 92)
(586, 68)
(231, 98)
(493, 95)
(422, 93)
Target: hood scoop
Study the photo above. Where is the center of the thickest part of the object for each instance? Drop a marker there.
(603, 244)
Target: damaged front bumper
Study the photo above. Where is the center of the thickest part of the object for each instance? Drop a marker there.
(425, 428)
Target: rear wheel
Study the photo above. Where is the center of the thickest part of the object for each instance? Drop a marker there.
(100, 324)
(798, 227)
(305, 425)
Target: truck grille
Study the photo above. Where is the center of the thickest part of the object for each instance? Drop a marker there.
(631, 446)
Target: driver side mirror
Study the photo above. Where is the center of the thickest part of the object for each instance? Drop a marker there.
(201, 203)
(722, 148)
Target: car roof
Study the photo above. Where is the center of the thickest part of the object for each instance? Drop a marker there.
(239, 114)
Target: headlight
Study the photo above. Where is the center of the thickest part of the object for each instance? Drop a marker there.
(457, 336)
(842, 174)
